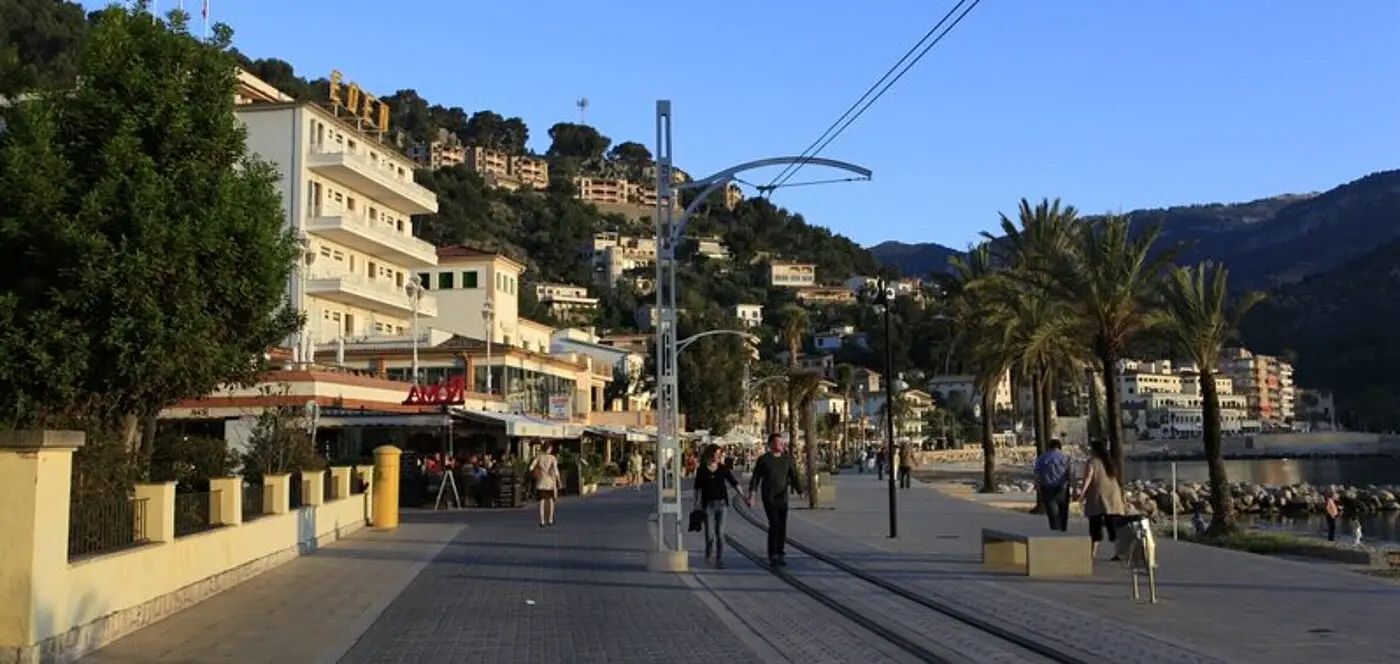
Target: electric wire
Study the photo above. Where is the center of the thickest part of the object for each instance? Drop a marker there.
(923, 46)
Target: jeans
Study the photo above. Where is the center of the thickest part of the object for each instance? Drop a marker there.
(904, 477)
(777, 513)
(1056, 502)
(1331, 528)
(714, 530)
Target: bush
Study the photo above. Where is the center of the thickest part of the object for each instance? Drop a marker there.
(190, 461)
(280, 444)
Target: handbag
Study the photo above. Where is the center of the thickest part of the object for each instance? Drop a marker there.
(697, 520)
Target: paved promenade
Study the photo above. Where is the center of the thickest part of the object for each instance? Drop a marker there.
(1220, 604)
(491, 586)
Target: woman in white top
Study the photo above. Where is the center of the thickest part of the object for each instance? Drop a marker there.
(545, 469)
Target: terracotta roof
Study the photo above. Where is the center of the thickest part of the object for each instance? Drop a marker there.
(463, 251)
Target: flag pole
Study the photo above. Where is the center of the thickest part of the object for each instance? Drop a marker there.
(205, 12)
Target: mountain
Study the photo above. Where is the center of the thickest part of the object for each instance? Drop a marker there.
(1341, 326)
(1268, 242)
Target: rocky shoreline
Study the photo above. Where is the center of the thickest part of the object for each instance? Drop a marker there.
(1154, 497)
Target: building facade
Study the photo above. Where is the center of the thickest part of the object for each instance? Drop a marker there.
(1163, 401)
(749, 315)
(1266, 383)
(789, 274)
(566, 302)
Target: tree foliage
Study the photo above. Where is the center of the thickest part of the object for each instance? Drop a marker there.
(151, 254)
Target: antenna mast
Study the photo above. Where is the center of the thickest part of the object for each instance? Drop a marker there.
(582, 104)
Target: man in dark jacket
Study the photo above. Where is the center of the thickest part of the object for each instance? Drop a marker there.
(774, 476)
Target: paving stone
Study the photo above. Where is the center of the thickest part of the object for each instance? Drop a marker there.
(1216, 605)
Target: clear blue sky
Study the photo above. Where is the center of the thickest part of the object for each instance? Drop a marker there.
(1109, 104)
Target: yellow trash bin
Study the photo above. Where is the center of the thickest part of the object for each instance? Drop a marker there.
(385, 513)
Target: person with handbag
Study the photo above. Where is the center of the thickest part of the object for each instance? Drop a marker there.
(776, 474)
(545, 471)
(713, 480)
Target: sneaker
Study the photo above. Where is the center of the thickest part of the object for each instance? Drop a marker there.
(719, 564)
(782, 561)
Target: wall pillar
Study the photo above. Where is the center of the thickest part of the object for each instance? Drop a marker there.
(340, 480)
(159, 510)
(313, 487)
(277, 497)
(36, 471)
(227, 504)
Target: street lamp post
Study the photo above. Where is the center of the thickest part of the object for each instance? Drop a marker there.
(670, 228)
(415, 296)
(305, 342)
(488, 314)
(884, 298)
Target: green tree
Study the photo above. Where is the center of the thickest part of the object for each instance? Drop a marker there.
(156, 251)
(980, 346)
(1199, 317)
(491, 130)
(577, 141)
(633, 157)
(39, 43)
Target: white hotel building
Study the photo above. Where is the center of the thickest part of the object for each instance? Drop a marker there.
(1161, 401)
(350, 198)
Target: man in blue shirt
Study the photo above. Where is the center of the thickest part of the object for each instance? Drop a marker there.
(1052, 480)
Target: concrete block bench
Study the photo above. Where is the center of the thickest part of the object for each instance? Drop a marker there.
(1039, 555)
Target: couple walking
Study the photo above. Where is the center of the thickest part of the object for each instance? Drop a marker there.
(774, 476)
(1102, 494)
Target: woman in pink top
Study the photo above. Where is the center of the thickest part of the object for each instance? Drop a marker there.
(1334, 510)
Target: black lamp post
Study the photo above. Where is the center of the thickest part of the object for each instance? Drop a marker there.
(884, 297)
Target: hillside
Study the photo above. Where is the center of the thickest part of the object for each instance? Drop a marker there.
(1341, 325)
(1267, 242)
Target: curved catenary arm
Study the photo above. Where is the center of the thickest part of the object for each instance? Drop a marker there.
(683, 343)
(714, 182)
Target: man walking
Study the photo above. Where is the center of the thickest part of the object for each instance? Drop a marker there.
(1052, 478)
(774, 475)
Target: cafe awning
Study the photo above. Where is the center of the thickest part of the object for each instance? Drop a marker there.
(520, 426)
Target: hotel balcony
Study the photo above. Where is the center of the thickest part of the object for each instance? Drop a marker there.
(356, 231)
(377, 179)
(360, 291)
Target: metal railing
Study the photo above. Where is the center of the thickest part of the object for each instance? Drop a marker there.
(391, 236)
(357, 483)
(253, 502)
(295, 491)
(194, 512)
(328, 487)
(103, 524)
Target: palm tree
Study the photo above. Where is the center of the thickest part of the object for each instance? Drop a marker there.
(1106, 281)
(845, 382)
(980, 346)
(793, 330)
(1199, 318)
(1038, 327)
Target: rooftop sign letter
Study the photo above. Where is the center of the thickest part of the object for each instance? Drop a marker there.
(360, 104)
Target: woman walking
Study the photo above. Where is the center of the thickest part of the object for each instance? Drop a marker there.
(545, 469)
(1103, 496)
(713, 480)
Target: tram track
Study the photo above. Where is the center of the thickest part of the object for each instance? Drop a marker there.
(926, 629)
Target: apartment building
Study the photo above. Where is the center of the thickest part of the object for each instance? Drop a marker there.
(622, 361)
(444, 150)
(646, 316)
(789, 274)
(566, 301)
(253, 90)
(603, 190)
(831, 340)
(963, 388)
(1163, 401)
(1266, 383)
(911, 286)
(507, 171)
(711, 247)
(464, 281)
(733, 196)
(614, 255)
(351, 198)
(750, 315)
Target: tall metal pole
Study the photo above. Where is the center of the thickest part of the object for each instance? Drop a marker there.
(892, 459)
(415, 293)
(488, 311)
(667, 404)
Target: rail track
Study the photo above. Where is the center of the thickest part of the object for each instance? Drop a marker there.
(926, 629)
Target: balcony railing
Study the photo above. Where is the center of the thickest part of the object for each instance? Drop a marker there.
(386, 292)
(381, 171)
(390, 237)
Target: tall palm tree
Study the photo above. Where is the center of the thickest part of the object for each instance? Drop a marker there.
(1198, 316)
(968, 291)
(1046, 231)
(1106, 281)
(845, 382)
(794, 329)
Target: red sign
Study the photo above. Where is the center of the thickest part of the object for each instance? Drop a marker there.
(450, 393)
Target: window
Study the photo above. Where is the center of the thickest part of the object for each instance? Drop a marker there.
(444, 281)
(469, 279)
(425, 280)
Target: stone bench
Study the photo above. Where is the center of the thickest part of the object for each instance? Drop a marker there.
(1041, 555)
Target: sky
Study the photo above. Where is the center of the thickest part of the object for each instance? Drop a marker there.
(1109, 105)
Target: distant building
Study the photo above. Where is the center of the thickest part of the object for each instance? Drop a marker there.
(445, 150)
(507, 171)
(1164, 401)
(1266, 383)
(789, 274)
(566, 301)
(751, 315)
(820, 295)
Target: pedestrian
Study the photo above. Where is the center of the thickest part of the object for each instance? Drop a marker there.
(634, 470)
(1052, 478)
(1103, 496)
(1333, 510)
(545, 469)
(774, 476)
(713, 480)
(881, 461)
(906, 465)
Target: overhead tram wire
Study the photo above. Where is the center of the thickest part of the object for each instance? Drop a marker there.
(869, 91)
(922, 47)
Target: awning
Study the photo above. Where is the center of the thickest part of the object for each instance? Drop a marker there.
(382, 420)
(616, 431)
(519, 426)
